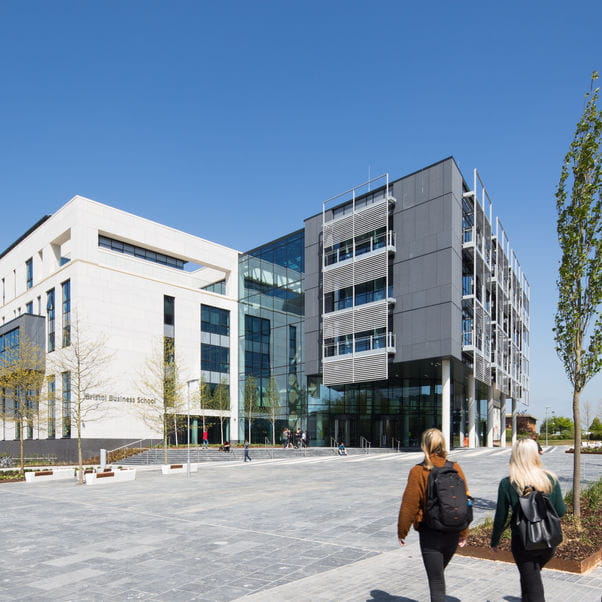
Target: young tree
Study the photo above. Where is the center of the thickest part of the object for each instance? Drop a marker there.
(272, 404)
(250, 401)
(578, 323)
(83, 365)
(221, 403)
(204, 399)
(161, 381)
(22, 377)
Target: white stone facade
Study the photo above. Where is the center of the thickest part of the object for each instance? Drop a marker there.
(120, 297)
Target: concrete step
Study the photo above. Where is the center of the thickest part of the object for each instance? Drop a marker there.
(199, 454)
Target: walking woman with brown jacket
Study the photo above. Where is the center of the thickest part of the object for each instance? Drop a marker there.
(437, 547)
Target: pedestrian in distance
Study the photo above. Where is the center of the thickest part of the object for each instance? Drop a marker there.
(342, 449)
(526, 474)
(205, 438)
(438, 539)
(247, 457)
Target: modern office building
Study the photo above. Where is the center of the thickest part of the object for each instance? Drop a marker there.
(416, 313)
(143, 292)
(397, 307)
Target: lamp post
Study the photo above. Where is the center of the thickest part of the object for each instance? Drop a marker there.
(188, 383)
(547, 408)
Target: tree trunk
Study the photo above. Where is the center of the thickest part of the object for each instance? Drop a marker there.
(274, 432)
(250, 422)
(577, 457)
(221, 428)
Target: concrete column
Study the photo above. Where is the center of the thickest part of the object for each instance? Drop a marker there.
(462, 431)
(503, 421)
(471, 411)
(446, 401)
(490, 397)
(514, 421)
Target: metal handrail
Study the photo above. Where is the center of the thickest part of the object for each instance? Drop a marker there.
(365, 444)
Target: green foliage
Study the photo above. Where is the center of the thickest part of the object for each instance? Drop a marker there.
(579, 226)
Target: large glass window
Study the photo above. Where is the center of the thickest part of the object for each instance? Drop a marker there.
(66, 392)
(215, 358)
(51, 407)
(257, 347)
(140, 252)
(215, 320)
(66, 290)
(50, 319)
(9, 345)
(29, 272)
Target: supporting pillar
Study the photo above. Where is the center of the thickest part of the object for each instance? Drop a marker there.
(471, 411)
(514, 433)
(503, 421)
(446, 401)
(490, 397)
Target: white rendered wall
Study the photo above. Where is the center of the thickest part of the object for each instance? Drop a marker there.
(120, 298)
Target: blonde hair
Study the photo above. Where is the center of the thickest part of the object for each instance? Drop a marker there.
(526, 468)
(432, 444)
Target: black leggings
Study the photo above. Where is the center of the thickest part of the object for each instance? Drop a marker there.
(437, 550)
(529, 566)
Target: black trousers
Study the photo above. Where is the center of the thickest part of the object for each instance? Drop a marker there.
(437, 549)
(529, 565)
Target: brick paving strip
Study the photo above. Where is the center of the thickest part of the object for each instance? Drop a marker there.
(298, 529)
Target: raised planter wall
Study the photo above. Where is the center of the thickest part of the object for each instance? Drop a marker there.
(54, 474)
(178, 468)
(110, 476)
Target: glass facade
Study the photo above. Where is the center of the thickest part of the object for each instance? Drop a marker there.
(215, 345)
(271, 328)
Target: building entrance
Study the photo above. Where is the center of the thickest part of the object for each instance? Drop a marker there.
(345, 429)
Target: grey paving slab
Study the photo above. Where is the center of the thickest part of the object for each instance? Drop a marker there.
(298, 529)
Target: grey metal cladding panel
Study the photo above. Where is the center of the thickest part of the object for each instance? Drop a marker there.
(312, 303)
(312, 260)
(313, 228)
(424, 185)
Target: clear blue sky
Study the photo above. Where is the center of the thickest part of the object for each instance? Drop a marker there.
(234, 120)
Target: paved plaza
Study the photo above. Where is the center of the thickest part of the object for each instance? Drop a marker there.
(302, 529)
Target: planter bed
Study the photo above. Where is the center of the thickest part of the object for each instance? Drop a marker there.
(558, 564)
(110, 476)
(55, 474)
(178, 468)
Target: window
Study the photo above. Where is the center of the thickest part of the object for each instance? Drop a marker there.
(215, 358)
(215, 320)
(29, 272)
(29, 308)
(66, 382)
(51, 407)
(50, 315)
(169, 316)
(257, 347)
(66, 289)
(9, 345)
(216, 287)
(128, 249)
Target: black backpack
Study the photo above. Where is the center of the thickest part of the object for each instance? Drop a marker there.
(537, 522)
(448, 506)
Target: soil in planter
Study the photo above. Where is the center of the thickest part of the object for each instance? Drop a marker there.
(576, 545)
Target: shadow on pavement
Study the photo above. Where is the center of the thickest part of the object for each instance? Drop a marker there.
(379, 596)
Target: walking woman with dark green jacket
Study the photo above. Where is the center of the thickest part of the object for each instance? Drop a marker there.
(526, 472)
